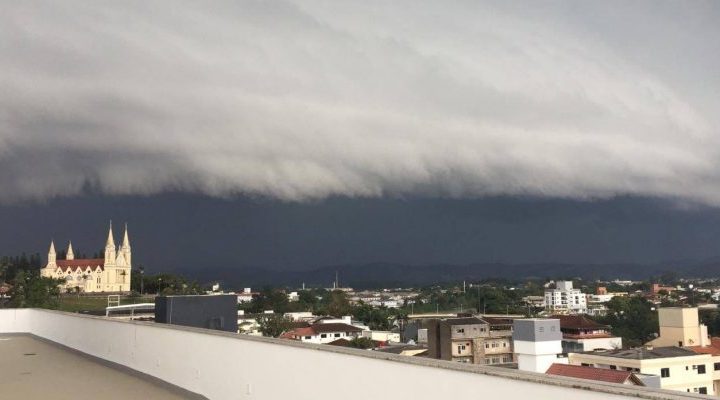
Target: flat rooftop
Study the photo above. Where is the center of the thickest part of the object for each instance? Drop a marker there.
(645, 354)
(35, 369)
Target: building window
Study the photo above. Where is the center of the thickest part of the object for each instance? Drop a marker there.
(323, 335)
(337, 335)
(717, 366)
(462, 330)
(487, 346)
(307, 338)
(665, 372)
(702, 390)
(613, 367)
(701, 369)
(541, 329)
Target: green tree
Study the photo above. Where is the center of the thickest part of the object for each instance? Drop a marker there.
(270, 299)
(362, 343)
(633, 319)
(32, 290)
(273, 325)
(338, 304)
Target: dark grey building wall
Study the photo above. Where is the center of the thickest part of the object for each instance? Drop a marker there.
(433, 327)
(212, 312)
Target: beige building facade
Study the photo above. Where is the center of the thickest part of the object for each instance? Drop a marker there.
(680, 326)
(91, 275)
(679, 369)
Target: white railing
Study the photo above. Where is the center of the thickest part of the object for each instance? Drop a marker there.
(222, 365)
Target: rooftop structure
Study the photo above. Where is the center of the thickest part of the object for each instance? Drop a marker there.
(537, 343)
(680, 326)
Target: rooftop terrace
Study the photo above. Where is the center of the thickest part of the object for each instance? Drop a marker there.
(223, 365)
(37, 369)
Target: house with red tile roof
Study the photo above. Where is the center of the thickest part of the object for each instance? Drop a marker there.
(323, 333)
(580, 333)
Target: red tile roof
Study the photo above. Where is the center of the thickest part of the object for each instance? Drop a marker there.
(578, 322)
(81, 262)
(712, 349)
(593, 374)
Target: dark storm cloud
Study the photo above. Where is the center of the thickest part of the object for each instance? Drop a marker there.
(304, 100)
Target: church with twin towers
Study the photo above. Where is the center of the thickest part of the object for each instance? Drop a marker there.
(108, 274)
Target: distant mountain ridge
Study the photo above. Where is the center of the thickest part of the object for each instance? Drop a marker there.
(398, 275)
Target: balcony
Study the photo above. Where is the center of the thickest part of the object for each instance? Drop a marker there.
(183, 362)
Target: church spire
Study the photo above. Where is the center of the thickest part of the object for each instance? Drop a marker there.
(51, 254)
(126, 240)
(110, 241)
(70, 255)
(110, 248)
(125, 248)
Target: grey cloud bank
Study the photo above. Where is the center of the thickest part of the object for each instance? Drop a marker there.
(305, 100)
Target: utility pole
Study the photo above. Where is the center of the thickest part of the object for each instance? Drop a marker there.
(142, 272)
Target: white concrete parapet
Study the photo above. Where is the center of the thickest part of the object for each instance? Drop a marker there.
(222, 365)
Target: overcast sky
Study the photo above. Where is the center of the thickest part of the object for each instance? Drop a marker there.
(385, 115)
(303, 100)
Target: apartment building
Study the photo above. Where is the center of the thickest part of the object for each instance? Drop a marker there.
(565, 299)
(679, 369)
(470, 340)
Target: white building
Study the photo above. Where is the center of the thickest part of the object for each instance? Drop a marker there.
(565, 299)
(246, 296)
(323, 333)
(382, 336)
(108, 274)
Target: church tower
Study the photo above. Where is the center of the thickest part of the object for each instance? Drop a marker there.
(110, 248)
(51, 255)
(70, 255)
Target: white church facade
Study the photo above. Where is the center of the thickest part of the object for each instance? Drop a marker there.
(108, 274)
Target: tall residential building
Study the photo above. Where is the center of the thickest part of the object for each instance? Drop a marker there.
(565, 299)
(108, 274)
(469, 340)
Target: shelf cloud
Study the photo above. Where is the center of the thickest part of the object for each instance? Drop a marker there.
(309, 99)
